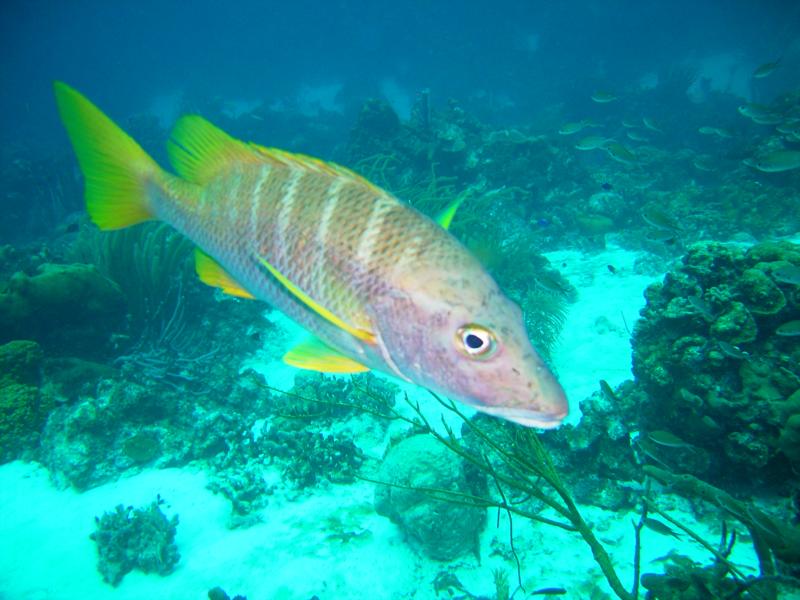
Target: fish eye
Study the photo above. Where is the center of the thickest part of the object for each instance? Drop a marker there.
(475, 341)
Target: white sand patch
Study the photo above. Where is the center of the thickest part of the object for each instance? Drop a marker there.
(595, 343)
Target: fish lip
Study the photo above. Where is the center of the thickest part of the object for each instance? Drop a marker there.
(526, 417)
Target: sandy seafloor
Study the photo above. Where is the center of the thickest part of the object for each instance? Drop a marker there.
(45, 550)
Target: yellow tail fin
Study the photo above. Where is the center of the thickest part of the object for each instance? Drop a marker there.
(116, 169)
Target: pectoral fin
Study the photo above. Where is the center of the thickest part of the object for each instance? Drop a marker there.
(445, 217)
(361, 334)
(315, 355)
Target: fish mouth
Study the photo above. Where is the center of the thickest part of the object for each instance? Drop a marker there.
(526, 418)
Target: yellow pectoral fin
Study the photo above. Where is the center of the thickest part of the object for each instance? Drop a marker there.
(361, 334)
(211, 273)
(315, 355)
(445, 217)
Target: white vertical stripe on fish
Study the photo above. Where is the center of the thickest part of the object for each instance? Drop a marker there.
(285, 211)
(255, 205)
(372, 231)
(331, 200)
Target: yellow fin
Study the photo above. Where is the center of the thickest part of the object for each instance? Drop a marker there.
(356, 332)
(211, 273)
(445, 217)
(315, 355)
(116, 169)
(199, 150)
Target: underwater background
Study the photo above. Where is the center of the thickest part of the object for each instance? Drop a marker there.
(630, 174)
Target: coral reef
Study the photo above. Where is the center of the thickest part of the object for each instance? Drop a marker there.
(709, 355)
(130, 538)
(23, 406)
(442, 531)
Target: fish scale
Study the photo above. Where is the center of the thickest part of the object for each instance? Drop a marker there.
(376, 283)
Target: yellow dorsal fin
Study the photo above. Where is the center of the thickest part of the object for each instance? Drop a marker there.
(316, 165)
(199, 150)
(211, 273)
(315, 355)
(445, 217)
(361, 334)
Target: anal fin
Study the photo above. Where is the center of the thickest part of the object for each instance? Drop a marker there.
(315, 355)
(211, 273)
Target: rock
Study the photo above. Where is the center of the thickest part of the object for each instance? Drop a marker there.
(63, 307)
(441, 530)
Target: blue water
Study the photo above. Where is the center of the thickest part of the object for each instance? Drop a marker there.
(123, 377)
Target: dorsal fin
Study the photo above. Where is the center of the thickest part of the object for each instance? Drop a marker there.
(199, 150)
(211, 273)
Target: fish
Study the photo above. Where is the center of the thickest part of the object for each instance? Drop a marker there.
(659, 219)
(778, 161)
(663, 236)
(660, 527)
(651, 125)
(377, 284)
(766, 69)
(621, 154)
(751, 109)
(636, 136)
(732, 351)
(701, 306)
(629, 124)
(789, 126)
(718, 131)
(787, 274)
(667, 439)
(592, 142)
(571, 128)
(702, 163)
(608, 391)
(789, 329)
(550, 591)
(602, 97)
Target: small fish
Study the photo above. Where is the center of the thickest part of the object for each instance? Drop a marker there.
(787, 274)
(551, 591)
(612, 269)
(621, 154)
(667, 439)
(592, 142)
(766, 69)
(659, 219)
(790, 329)
(732, 351)
(661, 236)
(376, 284)
(788, 126)
(606, 186)
(636, 136)
(661, 527)
(651, 125)
(629, 124)
(702, 163)
(778, 161)
(571, 128)
(718, 131)
(751, 109)
(769, 119)
(603, 97)
(701, 306)
(607, 390)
